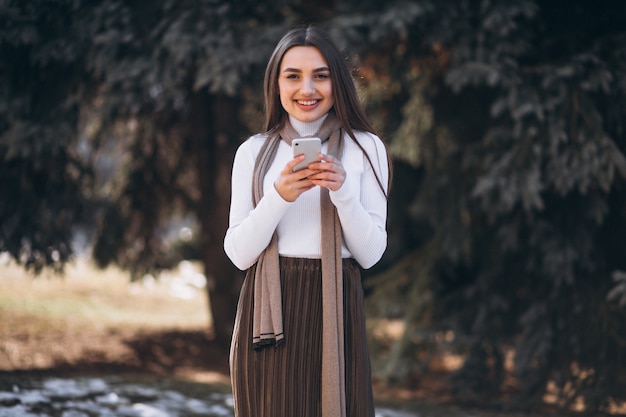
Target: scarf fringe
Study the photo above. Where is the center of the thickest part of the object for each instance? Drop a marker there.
(277, 341)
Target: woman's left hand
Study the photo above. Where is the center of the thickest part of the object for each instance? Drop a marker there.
(331, 175)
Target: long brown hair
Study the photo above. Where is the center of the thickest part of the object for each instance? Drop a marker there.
(347, 106)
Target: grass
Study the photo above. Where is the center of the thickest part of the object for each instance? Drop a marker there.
(50, 319)
(85, 296)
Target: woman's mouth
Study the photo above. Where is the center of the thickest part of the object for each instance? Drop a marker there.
(307, 102)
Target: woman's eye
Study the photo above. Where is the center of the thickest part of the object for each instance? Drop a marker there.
(323, 76)
(292, 77)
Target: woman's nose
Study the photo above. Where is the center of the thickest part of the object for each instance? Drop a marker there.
(307, 86)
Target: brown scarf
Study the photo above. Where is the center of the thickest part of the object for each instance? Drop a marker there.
(268, 320)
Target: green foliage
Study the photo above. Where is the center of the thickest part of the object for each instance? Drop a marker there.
(523, 187)
(41, 174)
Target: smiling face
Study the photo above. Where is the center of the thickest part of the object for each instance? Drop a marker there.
(304, 84)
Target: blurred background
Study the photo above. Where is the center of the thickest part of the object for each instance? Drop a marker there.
(504, 282)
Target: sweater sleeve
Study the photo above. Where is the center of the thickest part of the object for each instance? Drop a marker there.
(362, 207)
(250, 228)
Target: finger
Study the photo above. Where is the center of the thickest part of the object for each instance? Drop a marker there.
(327, 158)
(289, 187)
(331, 185)
(289, 167)
(333, 166)
(329, 179)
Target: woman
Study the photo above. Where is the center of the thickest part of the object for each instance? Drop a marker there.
(299, 344)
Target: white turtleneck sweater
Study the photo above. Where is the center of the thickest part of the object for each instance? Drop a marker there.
(361, 205)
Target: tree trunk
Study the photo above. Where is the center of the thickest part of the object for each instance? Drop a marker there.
(214, 122)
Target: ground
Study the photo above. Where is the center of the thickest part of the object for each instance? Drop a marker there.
(91, 322)
(97, 321)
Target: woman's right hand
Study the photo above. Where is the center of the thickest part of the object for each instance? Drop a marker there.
(291, 184)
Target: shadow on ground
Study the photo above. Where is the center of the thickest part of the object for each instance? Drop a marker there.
(157, 352)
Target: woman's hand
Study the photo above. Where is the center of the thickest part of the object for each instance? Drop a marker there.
(329, 173)
(291, 184)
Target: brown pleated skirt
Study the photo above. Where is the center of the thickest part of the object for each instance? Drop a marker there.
(285, 381)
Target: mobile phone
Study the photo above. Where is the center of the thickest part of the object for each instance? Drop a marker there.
(310, 147)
